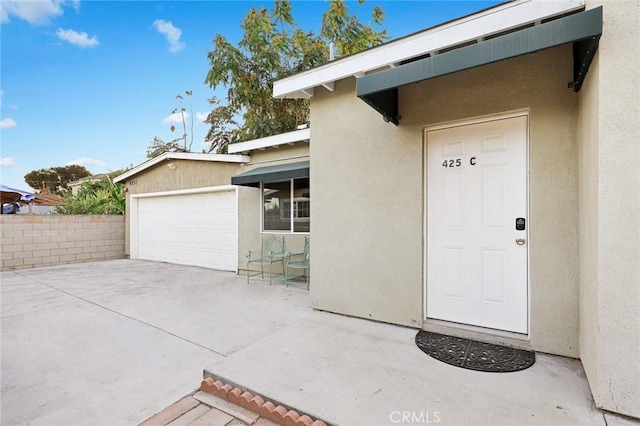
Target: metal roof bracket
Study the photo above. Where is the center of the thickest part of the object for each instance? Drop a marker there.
(583, 53)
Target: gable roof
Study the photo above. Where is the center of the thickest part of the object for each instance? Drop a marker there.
(469, 29)
(47, 200)
(222, 158)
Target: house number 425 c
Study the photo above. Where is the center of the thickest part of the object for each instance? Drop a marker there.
(457, 162)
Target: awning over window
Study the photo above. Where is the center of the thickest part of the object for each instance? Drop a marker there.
(380, 90)
(272, 173)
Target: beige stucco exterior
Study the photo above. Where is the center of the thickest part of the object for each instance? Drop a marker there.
(187, 174)
(368, 208)
(249, 227)
(609, 152)
(369, 193)
(367, 211)
(584, 200)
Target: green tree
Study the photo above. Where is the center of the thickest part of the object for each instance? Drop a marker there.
(223, 127)
(273, 46)
(54, 180)
(103, 197)
(347, 32)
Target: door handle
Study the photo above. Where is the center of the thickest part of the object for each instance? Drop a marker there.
(520, 241)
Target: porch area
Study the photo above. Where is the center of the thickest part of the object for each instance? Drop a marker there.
(350, 371)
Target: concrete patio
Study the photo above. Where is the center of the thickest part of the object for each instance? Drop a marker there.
(113, 342)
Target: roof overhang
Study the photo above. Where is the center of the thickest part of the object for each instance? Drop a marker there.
(222, 158)
(271, 141)
(253, 177)
(380, 90)
(476, 27)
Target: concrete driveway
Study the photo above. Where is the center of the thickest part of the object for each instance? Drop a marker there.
(113, 342)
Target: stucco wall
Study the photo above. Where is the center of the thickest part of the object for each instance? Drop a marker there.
(249, 201)
(187, 174)
(588, 207)
(609, 127)
(368, 211)
(30, 241)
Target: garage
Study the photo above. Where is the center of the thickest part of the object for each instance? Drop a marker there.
(197, 228)
(181, 209)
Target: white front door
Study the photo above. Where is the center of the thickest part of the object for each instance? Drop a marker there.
(477, 224)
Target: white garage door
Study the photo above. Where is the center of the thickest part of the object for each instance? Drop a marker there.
(188, 229)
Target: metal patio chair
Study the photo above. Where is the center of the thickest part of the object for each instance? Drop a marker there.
(298, 261)
(271, 251)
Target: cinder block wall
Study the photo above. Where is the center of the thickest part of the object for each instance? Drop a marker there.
(30, 241)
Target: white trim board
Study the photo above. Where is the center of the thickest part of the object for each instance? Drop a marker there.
(196, 156)
(501, 18)
(303, 135)
(220, 188)
(476, 120)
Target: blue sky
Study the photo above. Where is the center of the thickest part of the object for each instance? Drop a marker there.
(92, 82)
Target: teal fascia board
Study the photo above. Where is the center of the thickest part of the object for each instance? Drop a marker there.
(583, 29)
(272, 173)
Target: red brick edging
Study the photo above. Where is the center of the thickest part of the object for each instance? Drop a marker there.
(257, 404)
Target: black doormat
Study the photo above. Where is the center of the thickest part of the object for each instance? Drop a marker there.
(474, 355)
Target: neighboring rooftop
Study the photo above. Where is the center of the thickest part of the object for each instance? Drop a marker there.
(92, 178)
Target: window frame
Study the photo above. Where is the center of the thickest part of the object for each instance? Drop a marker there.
(292, 209)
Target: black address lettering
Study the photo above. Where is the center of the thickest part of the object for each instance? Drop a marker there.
(452, 163)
